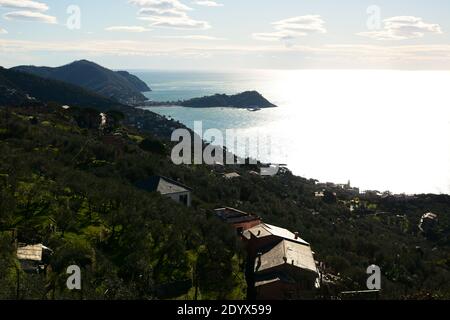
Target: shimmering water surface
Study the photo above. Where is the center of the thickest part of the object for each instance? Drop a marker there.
(383, 130)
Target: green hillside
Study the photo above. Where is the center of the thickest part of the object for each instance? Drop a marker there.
(119, 86)
(19, 88)
(62, 184)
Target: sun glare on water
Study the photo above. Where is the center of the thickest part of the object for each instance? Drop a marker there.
(381, 129)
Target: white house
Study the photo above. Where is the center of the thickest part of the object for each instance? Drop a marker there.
(428, 221)
(169, 188)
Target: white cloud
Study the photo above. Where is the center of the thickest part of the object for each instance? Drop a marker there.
(208, 3)
(402, 28)
(3, 31)
(27, 10)
(146, 13)
(292, 28)
(136, 29)
(296, 56)
(24, 5)
(30, 16)
(177, 23)
(161, 4)
(273, 36)
(370, 54)
(193, 37)
(168, 14)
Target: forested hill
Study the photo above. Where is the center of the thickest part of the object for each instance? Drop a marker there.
(120, 86)
(67, 185)
(19, 88)
(71, 186)
(138, 84)
(248, 99)
(22, 89)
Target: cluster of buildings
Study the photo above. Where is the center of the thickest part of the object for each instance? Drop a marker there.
(345, 187)
(281, 265)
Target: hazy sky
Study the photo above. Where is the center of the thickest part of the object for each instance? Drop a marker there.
(227, 34)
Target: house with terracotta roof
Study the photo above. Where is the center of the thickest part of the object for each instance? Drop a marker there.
(240, 220)
(283, 265)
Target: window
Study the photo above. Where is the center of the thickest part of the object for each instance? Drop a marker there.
(184, 199)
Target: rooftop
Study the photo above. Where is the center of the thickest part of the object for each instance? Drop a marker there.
(287, 252)
(264, 230)
(266, 279)
(162, 185)
(430, 215)
(231, 175)
(232, 215)
(31, 252)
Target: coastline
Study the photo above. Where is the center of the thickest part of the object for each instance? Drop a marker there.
(294, 168)
(167, 105)
(329, 183)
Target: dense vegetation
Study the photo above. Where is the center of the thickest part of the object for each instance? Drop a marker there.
(248, 99)
(120, 86)
(19, 88)
(138, 84)
(63, 185)
(71, 186)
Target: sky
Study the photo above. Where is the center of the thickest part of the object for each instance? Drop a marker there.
(228, 34)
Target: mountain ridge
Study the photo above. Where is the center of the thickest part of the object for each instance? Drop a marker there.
(116, 85)
(20, 88)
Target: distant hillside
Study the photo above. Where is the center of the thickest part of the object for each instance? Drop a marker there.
(120, 86)
(10, 94)
(18, 88)
(248, 99)
(138, 83)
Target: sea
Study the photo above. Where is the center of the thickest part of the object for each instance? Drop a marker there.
(384, 130)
